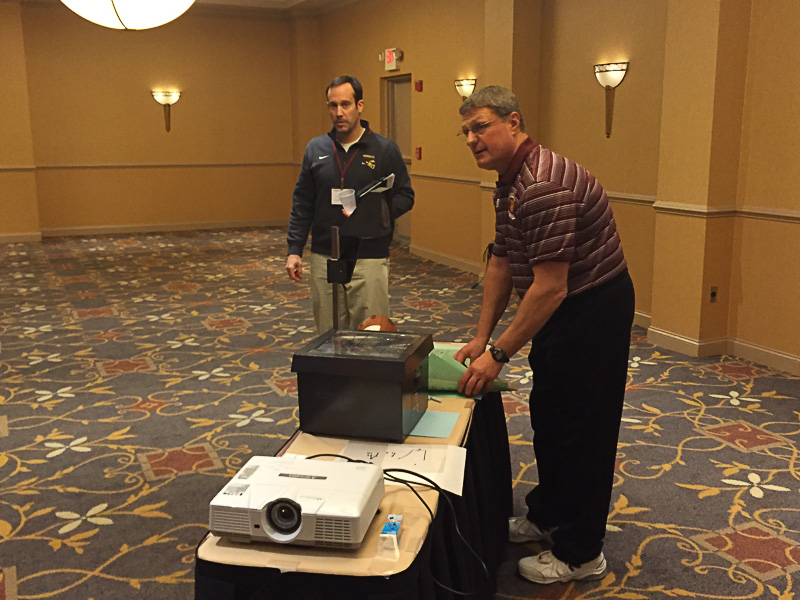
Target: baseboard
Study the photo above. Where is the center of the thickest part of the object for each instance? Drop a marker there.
(684, 345)
(766, 356)
(12, 238)
(447, 260)
(775, 359)
(149, 228)
(641, 319)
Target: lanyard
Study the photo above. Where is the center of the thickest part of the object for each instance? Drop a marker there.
(342, 170)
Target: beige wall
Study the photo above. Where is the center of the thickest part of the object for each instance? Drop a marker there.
(704, 82)
(566, 103)
(766, 256)
(765, 287)
(636, 223)
(771, 143)
(576, 35)
(90, 90)
(309, 117)
(439, 234)
(446, 178)
(103, 156)
(111, 199)
(687, 107)
(19, 213)
(700, 166)
(685, 153)
(526, 60)
(727, 211)
(418, 29)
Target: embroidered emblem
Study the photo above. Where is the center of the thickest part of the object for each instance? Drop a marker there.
(369, 162)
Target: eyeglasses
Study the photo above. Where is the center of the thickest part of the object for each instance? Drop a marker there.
(477, 129)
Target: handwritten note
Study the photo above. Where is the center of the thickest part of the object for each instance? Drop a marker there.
(443, 464)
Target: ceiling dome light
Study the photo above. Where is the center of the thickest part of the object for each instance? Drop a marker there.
(129, 14)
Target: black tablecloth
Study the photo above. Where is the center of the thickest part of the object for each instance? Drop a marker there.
(481, 514)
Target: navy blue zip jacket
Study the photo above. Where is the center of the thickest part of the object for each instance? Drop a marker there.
(369, 159)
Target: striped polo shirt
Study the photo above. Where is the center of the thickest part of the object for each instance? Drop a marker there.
(555, 210)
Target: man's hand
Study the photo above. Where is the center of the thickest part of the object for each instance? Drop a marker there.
(479, 376)
(294, 267)
(470, 351)
(482, 369)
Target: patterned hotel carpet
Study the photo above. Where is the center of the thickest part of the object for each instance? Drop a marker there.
(137, 373)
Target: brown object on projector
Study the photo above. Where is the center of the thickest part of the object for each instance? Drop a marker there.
(377, 323)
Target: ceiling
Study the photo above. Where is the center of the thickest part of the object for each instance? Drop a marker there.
(285, 7)
(274, 6)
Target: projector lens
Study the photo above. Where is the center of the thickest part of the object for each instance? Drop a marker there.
(284, 515)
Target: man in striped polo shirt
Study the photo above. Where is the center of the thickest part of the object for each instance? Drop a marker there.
(557, 245)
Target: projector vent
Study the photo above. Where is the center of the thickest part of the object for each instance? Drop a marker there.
(333, 531)
(230, 521)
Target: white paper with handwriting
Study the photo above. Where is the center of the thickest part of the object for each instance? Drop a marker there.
(443, 464)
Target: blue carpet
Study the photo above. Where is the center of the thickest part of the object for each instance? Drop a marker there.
(139, 372)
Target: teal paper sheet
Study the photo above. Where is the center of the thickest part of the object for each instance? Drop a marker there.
(435, 424)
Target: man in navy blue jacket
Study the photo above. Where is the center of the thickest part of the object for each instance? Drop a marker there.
(349, 157)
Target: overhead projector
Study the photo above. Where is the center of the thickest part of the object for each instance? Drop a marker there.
(294, 500)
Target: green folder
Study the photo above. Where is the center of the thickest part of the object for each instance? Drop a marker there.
(444, 371)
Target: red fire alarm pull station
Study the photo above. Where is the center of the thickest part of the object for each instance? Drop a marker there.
(418, 152)
(418, 85)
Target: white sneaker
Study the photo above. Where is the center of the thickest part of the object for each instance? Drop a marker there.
(521, 530)
(545, 568)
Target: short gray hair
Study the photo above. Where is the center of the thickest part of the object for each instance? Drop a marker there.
(500, 100)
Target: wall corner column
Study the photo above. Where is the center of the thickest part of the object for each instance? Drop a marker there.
(703, 89)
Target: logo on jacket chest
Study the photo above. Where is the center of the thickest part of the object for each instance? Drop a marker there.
(369, 161)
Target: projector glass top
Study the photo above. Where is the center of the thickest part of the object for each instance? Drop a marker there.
(360, 343)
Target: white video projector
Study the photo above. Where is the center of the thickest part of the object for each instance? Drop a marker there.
(293, 500)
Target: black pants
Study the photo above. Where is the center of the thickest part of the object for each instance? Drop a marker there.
(580, 368)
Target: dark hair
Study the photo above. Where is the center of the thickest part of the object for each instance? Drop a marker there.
(343, 79)
(500, 100)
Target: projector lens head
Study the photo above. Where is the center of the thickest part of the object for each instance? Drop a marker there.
(284, 515)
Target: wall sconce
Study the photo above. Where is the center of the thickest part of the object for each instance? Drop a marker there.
(465, 87)
(610, 75)
(167, 99)
(128, 14)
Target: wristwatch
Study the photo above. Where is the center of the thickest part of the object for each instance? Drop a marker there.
(498, 354)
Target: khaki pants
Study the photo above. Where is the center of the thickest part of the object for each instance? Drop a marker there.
(366, 294)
